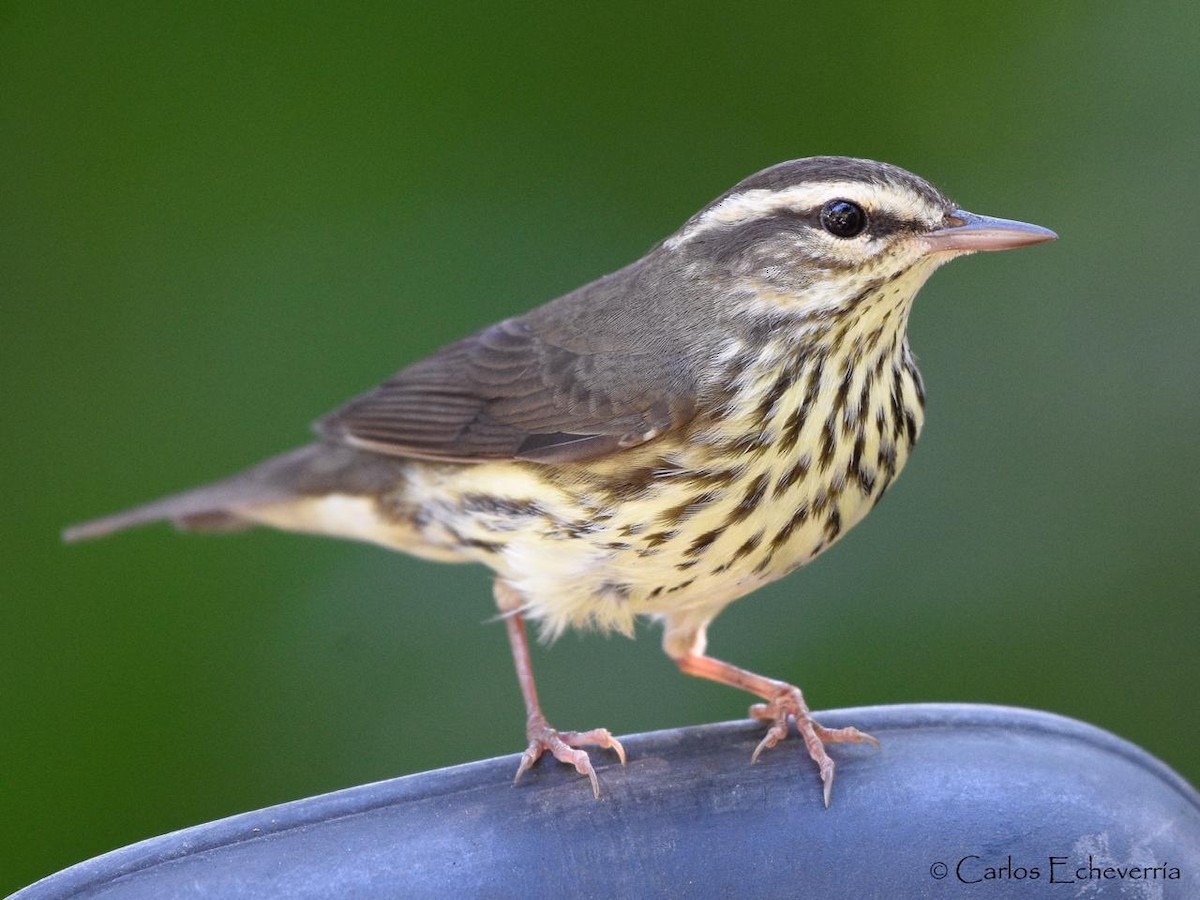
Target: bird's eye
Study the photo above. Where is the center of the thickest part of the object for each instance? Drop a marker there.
(843, 219)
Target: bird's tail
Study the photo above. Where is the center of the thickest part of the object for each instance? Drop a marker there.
(312, 471)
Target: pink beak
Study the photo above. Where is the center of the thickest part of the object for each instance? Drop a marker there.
(966, 232)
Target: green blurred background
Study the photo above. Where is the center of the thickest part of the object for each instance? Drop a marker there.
(217, 224)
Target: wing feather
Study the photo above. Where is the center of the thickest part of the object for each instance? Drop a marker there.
(548, 387)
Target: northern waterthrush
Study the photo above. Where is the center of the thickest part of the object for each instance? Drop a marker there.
(659, 442)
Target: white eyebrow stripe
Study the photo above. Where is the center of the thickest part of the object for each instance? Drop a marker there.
(759, 203)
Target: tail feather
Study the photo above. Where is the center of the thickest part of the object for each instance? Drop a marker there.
(309, 471)
(196, 510)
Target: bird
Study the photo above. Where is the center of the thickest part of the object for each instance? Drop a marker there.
(654, 444)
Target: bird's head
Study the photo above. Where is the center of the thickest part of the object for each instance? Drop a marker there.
(826, 233)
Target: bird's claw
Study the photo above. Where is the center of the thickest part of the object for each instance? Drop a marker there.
(561, 745)
(789, 705)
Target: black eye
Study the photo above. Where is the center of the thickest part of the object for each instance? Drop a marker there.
(843, 219)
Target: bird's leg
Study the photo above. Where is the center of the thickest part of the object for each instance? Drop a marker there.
(783, 701)
(542, 737)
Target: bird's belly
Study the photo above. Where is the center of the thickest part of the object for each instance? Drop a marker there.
(605, 577)
(673, 530)
(679, 551)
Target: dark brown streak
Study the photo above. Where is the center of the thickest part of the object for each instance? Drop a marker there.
(767, 405)
(681, 586)
(798, 518)
(474, 543)
(864, 398)
(797, 417)
(828, 442)
(820, 502)
(618, 591)
(873, 337)
(715, 478)
(659, 537)
(884, 484)
(910, 366)
(683, 511)
(700, 544)
(791, 430)
(747, 547)
(628, 486)
(786, 378)
(751, 443)
(750, 499)
(855, 470)
(833, 525)
(843, 391)
(486, 503)
(870, 288)
(792, 476)
(897, 404)
(887, 460)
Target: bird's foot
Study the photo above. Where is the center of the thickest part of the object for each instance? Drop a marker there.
(789, 704)
(561, 745)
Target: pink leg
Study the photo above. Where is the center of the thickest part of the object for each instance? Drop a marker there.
(783, 700)
(541, 736)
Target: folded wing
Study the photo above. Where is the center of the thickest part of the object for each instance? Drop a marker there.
(521, 389)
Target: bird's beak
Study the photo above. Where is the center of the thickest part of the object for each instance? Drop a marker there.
(966, 232)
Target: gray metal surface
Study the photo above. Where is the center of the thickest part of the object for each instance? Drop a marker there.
(961, 801)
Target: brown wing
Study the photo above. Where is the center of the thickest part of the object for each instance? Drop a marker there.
(528, 389)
